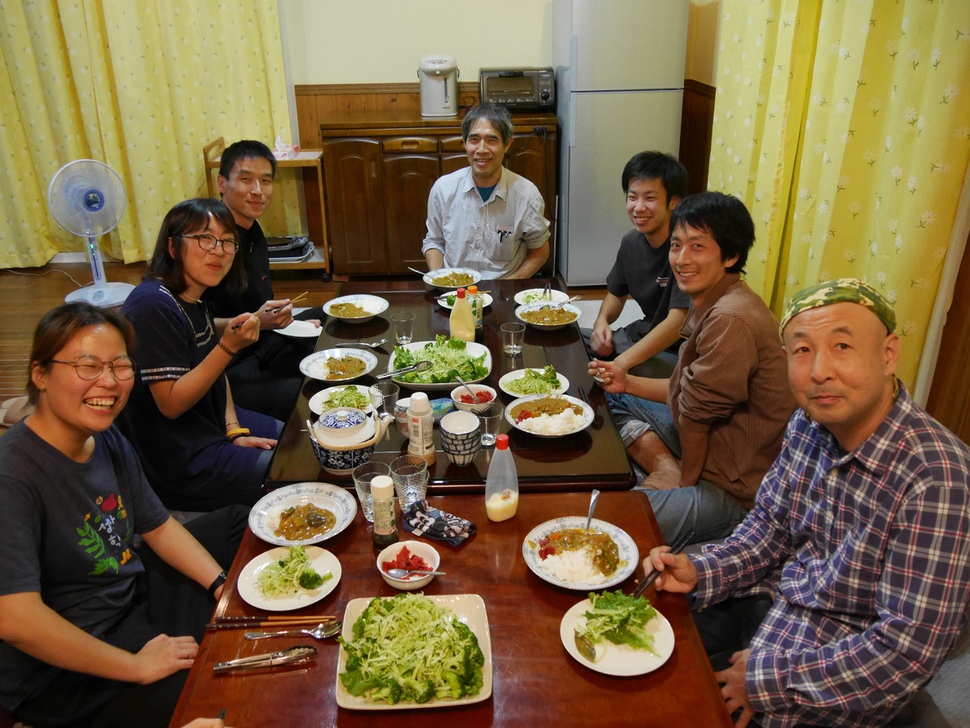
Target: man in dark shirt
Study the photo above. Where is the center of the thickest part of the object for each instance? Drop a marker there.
(265, 377)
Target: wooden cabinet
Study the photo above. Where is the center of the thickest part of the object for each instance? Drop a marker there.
(378, 172)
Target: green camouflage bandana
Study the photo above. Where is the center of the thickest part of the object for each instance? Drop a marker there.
(843, 290)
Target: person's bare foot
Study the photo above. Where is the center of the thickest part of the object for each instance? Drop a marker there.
(14, 410)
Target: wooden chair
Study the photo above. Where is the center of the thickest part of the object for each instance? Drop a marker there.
(210, 152)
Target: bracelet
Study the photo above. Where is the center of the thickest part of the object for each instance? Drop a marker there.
(236, 433)
(230, 424)
(219, 581)
(226, 349)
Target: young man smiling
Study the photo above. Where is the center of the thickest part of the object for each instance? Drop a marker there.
(486, 217)
(726, 404)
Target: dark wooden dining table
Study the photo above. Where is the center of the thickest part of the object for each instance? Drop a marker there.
(593, 458)
(535, 681)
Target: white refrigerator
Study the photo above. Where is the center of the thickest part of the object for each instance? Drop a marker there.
(619, 84)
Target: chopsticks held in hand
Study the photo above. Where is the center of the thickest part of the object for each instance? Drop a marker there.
(650, 578)
(277, 309)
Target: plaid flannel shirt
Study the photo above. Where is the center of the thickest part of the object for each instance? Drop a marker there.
(867, 555)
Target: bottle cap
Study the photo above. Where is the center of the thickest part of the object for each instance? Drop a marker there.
(473, 290)
(502, 442)
(382, 487)
(461, 293)
(419, 403)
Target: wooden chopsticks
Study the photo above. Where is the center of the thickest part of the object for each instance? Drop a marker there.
(650, 578)
(270, 621)
(295, 299)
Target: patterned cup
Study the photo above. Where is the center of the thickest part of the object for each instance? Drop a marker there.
(461, 437)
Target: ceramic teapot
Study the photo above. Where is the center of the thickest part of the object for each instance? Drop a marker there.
(344, 438)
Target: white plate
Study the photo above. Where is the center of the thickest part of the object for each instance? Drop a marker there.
(629, 554)
(374, 305)
(473, 349)
(322, 561)
(264, 518)
(520, 373)
(301, 329)
(430, 277)
(557, 296)
(619, 660)
(547, 327)
(486, 300)
(317, 400)
(588, 414)
(467, 608)
(315, 365)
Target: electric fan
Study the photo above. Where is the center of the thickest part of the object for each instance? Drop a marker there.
(87, 198)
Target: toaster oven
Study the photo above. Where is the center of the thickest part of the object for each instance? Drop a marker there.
(519, 89)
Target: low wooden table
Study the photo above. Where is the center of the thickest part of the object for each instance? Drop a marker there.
(593, 458)
(535, 681)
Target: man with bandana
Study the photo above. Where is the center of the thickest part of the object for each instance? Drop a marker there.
(860, 533)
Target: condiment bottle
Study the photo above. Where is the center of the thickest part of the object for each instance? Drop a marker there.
(501, 483)
(462, 321)
(420, 428)
(385, 522)
(477, 305)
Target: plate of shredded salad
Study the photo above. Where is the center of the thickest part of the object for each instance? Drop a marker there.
(630, 636)
(414, 651)
(450, 359)
(521, 382)
(352, 395)
(271, 581)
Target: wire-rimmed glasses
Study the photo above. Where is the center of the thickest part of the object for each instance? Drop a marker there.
(230, 246)
(90, 367)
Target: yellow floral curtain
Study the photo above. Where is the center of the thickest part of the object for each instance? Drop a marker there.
(141, 87)
(844, 125)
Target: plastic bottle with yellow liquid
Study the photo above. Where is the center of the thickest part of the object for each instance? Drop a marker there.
(501, 483)
(462, 322)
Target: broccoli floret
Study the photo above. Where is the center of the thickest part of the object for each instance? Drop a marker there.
(421, 691)
(310, 579)
(452, 687)
(390, 691)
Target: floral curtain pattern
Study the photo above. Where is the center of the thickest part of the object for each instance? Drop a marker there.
(141, 87)
(844, 125)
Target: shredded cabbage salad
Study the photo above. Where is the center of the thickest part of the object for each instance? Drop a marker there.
(290, 575)
(619, 618)
(347, 397)
(535, 381)
(449, 360)
(408, 648)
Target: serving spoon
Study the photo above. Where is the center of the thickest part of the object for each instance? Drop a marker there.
(405, 573)
(320, 632)
(374, 345)
(593, 497)
(467, 388)
(419, 367)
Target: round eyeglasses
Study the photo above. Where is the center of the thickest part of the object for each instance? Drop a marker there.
(89, 367)
(209, 242)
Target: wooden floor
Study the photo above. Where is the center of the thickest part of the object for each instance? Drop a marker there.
(27, 294)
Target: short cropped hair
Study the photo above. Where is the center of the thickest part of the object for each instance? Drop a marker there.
(657, 165)
(62, 324)
(187, 217)
(498, 116)
(244, 149)
(724, 217)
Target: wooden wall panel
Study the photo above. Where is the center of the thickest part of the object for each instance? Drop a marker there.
(696, 124)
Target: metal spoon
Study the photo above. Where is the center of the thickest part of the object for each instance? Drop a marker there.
(419, 367)
(320, 632)
(404, 573)
(467, 388)
(421, 273)
(593, 497)
(374, 345)
(563, 303)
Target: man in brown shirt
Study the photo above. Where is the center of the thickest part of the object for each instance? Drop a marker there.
(728, 400)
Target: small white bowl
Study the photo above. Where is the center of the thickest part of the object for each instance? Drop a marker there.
(418, 548)
(477, 407)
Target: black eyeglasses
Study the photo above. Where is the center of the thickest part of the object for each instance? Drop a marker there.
(209, 242)
(89, 367)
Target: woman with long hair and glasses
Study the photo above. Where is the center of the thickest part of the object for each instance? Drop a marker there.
(95, 629)
(199, 451)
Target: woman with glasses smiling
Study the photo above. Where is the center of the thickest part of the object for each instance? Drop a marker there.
(94, 628)
(199, 451)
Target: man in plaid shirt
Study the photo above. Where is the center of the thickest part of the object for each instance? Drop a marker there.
(860, 532)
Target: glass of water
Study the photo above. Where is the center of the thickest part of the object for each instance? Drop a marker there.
(490, 416)
(403, 322)
(410, 476)
(512, 335)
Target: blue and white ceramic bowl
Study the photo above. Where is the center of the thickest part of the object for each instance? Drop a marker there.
(461, 437)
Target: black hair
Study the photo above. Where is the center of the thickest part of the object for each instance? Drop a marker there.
(724, 217)
(62, 324)
(657, 165)
(498, 116)
(244, 149)
(187, 217)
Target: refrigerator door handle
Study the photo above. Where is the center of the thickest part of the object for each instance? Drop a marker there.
(571, 109)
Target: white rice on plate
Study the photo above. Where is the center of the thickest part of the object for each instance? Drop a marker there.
(574, 567)
(565, 422)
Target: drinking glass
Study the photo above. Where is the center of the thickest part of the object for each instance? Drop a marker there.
(512, 335)
(363, 475)
(403, 326)
(491, 416)
(383, 396)
(410, 476)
